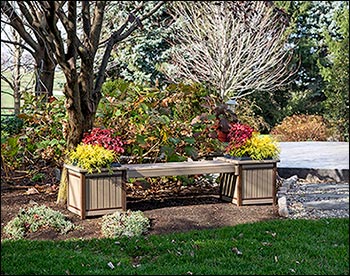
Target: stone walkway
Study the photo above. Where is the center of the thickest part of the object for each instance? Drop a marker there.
(326, 160)
(299, 198)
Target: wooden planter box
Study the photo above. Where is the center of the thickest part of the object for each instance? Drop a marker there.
(254, 182)
(95, 194)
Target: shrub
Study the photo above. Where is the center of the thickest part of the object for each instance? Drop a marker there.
(170, 123)
(11, 125)
(129, 223)
(239, 134)
(35, 137)
(257, 147)
(105, 138)
(90, 157)
(302, 128)
(35, 218)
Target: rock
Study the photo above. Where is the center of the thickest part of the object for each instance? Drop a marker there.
(282, 207)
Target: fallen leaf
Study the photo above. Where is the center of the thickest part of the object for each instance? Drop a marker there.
(32, 191)
(110, 265)
(235, 250)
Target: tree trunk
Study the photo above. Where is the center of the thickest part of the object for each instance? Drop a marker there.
(17, 74)
(81, 111)
(63, 189)
(88, 102)
(75, 125)
(45, 74)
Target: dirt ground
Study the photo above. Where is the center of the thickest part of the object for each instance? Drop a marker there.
(201, 208)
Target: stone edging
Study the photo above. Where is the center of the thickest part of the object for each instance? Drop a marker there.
(282, 197)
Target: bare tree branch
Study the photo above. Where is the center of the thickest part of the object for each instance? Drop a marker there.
(17, 24)
(85, 9)
(237, 49)
(119, 35)
(19, 44)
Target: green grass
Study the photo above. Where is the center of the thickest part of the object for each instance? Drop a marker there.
(277, 247)
(27, 81)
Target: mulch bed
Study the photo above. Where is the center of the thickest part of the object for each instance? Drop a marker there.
(171, 207)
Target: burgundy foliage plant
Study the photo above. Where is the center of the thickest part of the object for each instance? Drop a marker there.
(105, 138)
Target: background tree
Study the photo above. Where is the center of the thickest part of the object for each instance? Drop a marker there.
(335, 72)
(57, 24)
(27, 20)
(237, 47)
(308, 19)
(12, 63)
(140, 56)
(305, 94)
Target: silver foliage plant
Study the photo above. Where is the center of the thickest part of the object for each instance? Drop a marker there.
(129, 223)
(32, 219)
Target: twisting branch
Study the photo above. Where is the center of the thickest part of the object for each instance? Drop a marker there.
(236, 48)
(119, 35)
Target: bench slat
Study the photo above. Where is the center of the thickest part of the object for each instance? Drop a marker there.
(179, 168)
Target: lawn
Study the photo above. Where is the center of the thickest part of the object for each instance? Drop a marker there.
(274, 247)
(27, 82)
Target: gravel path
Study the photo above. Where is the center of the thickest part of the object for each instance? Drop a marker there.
(298, 198)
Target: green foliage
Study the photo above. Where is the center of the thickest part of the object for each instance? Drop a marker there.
(335, 72)
(305, 34)
(38, 177)
(10, 148)
(40, 139)
(172, 123)
(140, 59)
(129, 223)
(307, 94)
(36, 218)
(91, 157)
(11, 125)
(302, 128)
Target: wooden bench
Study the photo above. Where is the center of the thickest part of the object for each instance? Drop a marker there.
(100, 193)
(241, 181)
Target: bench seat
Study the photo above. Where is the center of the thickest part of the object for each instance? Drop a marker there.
(179, 168)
